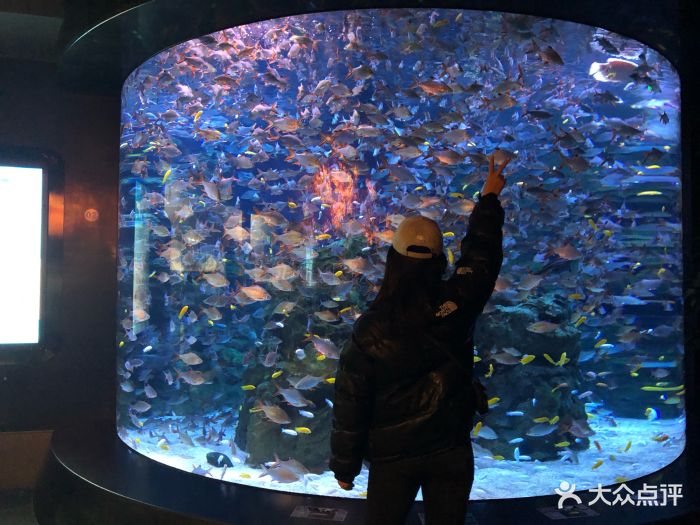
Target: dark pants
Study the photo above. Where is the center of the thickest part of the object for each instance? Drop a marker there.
(446, 478)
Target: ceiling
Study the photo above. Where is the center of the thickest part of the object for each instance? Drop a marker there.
(29, 29)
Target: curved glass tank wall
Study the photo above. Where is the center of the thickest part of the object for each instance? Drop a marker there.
(263, 171)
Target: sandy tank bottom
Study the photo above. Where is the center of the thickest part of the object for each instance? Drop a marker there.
(632, 449)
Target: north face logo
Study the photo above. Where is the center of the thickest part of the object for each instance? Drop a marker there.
(446, 308)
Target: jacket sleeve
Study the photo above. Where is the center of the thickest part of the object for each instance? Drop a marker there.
(481, 257)
(352, 407)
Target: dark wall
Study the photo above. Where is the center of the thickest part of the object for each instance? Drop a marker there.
(77, 381)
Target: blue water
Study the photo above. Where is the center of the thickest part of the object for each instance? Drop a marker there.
(264, 167)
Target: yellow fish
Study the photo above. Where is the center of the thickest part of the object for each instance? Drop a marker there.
(576, 296)
(292, 205)
(167, 174)
(362, 494)
(448, 235)
(320, 357)
(498, 458)
(330, 380)
(164, 446)
(197, 115)
(121, 343)
(562, 359)
(456, 194)
(137, 441)
(652, 192)
(562, 444)
(346, 309)
(580, 320)
(490, 372)
(527, 358)
(303, 430)
(548, 358)
(323, 236)
(255, 409)
(338, 274)
(541, 419)
(248, 387)
(493, 401)
(600, 343)
(477, 427)
(245, 475)
(554, 420)
(276, 374)
(597, 464)
(477, 359)
(183, 311)
(662, 388)
(629, 444)
(607, 233)
(621, 479)
(210, 322)
(593, 225)
(450, 256)
(653, 167)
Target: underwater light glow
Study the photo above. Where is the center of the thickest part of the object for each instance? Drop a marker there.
(21, 197)
(264, 169)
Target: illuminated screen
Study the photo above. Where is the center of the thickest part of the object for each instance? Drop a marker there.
(20, 260)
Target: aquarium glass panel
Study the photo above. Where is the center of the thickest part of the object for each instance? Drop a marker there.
(21, 217)
(263, 171)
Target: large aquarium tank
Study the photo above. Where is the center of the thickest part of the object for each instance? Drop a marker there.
(263, 171)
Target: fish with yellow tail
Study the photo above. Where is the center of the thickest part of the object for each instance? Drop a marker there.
(663, 388)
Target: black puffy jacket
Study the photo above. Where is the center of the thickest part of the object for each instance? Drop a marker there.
(402, 397)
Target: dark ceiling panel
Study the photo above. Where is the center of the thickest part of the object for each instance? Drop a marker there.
(52, 8)
(29, 37)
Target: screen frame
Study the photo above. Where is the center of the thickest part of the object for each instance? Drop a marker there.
(51, 280)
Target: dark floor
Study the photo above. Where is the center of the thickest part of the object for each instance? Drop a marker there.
(16, 508)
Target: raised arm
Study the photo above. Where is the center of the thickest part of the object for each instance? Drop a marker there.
(481, 249)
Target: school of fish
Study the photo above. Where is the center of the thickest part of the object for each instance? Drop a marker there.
(265, 167)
